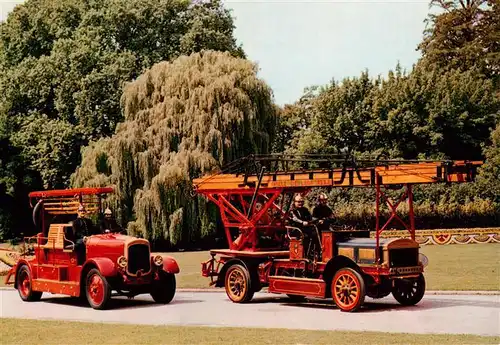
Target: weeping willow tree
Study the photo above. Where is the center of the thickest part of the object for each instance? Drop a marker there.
(182, 119)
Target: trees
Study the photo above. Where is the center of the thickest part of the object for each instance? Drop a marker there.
(425, 113)
(181, 119)
(445, 107)
(489, 179)
(63, 65)
(464, 34)
(67, 60)
(434, 114)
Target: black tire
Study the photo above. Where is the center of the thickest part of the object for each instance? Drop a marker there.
(348, 289)
(25, 287)
(163, 290)
(296, 298)
(97, 290)
(238, 284)
(409, 291)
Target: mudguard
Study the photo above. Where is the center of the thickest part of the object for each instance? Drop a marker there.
(104, 265)
(170, 265)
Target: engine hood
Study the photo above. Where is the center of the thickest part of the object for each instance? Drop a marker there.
(386, 243)
(111, 245)
(112, 239)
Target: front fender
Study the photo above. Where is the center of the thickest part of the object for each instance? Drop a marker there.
(104, 265)
(169, 264)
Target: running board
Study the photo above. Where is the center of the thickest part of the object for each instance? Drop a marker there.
(56, 287)
(297, 286)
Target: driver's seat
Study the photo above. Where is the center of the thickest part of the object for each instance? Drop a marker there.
(55, 237)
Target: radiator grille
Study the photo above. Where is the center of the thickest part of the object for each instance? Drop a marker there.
(403, 257)
(138, 258)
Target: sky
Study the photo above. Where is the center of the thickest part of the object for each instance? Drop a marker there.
(298, 44)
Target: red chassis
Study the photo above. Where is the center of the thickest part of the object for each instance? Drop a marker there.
(112, 261)
(346, 267)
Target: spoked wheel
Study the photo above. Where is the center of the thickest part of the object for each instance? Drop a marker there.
(348, 289)
(238, 284)
(163, 290)
(97, 289)
(409, 291)
(24, 286)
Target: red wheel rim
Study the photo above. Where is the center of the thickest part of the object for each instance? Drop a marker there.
(24, 285)
(346, 290)
(95, 289)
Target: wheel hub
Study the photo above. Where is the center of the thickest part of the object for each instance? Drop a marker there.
(238, 285)
(96, 289)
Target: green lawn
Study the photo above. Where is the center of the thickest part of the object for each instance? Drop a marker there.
(463, 267)
(20, 331)
(451, 267)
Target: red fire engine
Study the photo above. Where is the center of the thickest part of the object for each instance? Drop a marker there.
(112, 261)
(254, 195)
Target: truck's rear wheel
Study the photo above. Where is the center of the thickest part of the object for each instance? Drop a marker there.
(348, 289)
(25, 287)
(97, 289)
(238, 284)
(409, 291)
(163, 290)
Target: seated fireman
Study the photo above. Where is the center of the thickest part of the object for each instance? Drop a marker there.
(82, 226)
(301, 218)
(323, 212)
(109, 224)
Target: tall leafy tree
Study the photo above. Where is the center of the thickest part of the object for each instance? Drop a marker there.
(181, 120)
(63, 65)
(67, 60)
(463, 34)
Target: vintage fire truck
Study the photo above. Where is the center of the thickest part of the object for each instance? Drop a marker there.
(112, 260)
(254, 195)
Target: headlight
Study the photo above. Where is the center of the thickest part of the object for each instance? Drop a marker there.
(423, 259)
(122, 261)
(158, 260)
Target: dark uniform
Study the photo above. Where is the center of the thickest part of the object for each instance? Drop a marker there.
(81, 227)
(324, 212)
(109, 224)
(299, 215)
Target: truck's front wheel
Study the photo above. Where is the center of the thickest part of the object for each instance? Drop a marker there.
(163, 290)
(97, 289)
(409, 291)
(348, 289)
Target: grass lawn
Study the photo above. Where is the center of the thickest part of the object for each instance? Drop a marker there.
(20, 331)
(463, 267)
(451, 267)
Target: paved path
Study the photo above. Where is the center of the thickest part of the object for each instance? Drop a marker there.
(434, 314)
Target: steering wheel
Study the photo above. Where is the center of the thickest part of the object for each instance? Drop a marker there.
(292, 228)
